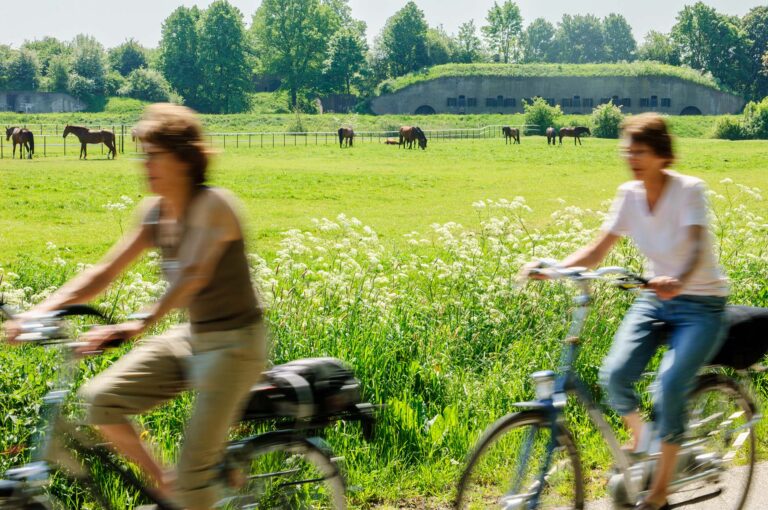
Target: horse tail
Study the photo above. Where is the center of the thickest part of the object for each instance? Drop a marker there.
(31, 143)
(341, 136)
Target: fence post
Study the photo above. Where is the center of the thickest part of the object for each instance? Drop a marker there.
(1, 147)
(45, 145)
(237, 140)
(249, 140)
(65, 146)
(225, 141)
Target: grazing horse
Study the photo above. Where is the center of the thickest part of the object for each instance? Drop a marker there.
(575, 132)
(511, 133)
(410, 134)
(87, 136)
(551, 136)
(22, 137)
(346, 134)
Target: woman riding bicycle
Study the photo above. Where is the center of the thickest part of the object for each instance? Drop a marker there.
(220, 354)
(665, 213)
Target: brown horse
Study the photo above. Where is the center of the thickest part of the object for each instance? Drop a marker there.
(551, 136)
(511, 133)
(346, 134)
(23, 138)
(575, 132)
(87, 136)
(410, 134)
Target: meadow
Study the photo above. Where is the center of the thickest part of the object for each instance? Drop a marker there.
(400, 262)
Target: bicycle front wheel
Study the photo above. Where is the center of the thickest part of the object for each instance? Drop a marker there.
(287, 472)
(719, 447)
(523, 462)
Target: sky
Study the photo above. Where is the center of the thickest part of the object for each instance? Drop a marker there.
(112, 22)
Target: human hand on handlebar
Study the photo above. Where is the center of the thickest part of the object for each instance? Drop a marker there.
(666, 287)
(12, 330)
(97, 339)
(534, 270)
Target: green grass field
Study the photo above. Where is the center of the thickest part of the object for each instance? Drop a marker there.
(430, 320)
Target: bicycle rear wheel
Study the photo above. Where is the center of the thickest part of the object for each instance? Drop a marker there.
(283, 472)
(719, 450)
(521, 462)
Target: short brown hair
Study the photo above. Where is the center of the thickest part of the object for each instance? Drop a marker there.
(177, 129)
(650, 129)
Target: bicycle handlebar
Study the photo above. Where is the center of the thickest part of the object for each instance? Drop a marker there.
(619, 276)
(48, 327)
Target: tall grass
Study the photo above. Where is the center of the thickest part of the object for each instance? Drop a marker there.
(434, 326)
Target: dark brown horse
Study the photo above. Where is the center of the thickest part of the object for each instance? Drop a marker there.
(87, 136)
(511, 133)
(551, 136)
(575, 132)
(410, 134)
(346, 134)
(23, 138)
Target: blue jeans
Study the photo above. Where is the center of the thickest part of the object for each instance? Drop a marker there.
(695, 333)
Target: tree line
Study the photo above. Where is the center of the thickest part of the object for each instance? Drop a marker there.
(209, 58)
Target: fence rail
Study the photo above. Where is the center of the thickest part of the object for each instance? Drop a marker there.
(49, 141)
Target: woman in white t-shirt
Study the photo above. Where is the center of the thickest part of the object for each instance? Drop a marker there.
(665, 214)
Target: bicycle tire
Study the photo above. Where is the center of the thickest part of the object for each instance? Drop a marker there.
(487, 475)
(720, 414)
(283, 471)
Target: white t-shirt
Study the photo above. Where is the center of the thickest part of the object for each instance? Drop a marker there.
(663, 235)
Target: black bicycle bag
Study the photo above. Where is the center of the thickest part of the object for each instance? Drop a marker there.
(747, 338)
(304, 389)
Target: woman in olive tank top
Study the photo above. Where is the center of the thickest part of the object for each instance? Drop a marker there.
(220, 354)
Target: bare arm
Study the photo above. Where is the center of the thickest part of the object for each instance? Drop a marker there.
(592, 254)
(696, 235)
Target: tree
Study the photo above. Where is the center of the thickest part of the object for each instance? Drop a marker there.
(755, 26)
(147, 85)
(659, 47)
(404, 41)
(223, 60)
(290, 38)
(712, 42)
(469, 48)
(178, 55)
(47, 49)
(58, 74)
(23, 71)
(127, 57)
(503, 30)
(88, 62)
(619, 42)
(346, 59)
(440, 47)
(579, 39)
(538, 42)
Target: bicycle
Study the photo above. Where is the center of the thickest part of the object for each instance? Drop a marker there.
(288, 468)
(529, 459)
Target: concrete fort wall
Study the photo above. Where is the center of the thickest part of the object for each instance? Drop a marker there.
(575, 94)
(39, 102)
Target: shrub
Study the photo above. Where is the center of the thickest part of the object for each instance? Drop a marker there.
(606, 120)
(113, 82)
(147, 85)
(756, 119)
(81, 87)
(729, 128)
(541, 114)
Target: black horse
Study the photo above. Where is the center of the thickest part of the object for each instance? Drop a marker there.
(346, 134)
(551, 136)
(22, 137)
(575, 132)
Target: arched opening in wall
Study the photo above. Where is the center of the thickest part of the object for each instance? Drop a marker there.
(425, 109)
(690, 110)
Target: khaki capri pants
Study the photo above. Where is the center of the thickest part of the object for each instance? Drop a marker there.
(219, 366)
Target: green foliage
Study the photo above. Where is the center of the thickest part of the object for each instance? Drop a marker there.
(88, 62)
(346, 60)
(580, 39)
(634, 69)
(146, 85)
(620, 44)
(223, 59)
(82, 87)
(113, 83)
(755, 27)
(124, 106)
(606, 120)
(290, 38)
(756, 119)
(729, 128)
(178, 54)
(538, 42)
(47, 50)
(440, 46)
(58, 74)
(23, 71)
(539, 113)
(469, 47)
(503, 30)
(127, 57)
(404, 41)
(659, 47)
